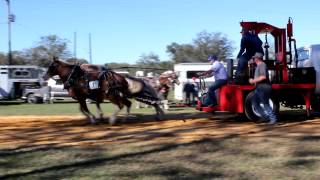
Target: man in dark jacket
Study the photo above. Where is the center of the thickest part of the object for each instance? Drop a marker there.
(250, 44)
(188, 89)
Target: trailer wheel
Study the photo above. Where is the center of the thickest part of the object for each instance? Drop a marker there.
(32, 99)
(252, 113)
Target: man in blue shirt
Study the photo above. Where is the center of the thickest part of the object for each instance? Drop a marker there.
(250, 44)
(220, 74)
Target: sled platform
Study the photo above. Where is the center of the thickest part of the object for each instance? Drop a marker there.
(208, 108)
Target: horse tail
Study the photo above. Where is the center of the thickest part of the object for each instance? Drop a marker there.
(148, 95)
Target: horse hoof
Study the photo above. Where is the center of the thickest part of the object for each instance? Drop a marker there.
(92, 120)
(159, 118)
(112, 121)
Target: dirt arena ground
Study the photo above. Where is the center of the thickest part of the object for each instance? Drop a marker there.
(37, 131)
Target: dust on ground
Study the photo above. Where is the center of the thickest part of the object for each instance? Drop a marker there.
(37, 131)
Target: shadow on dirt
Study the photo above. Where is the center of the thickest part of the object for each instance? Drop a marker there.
(285, 117)
(206, 134)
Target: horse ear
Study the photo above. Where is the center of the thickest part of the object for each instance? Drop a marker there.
(55, 59)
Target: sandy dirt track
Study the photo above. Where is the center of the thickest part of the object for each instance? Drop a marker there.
(37, 131)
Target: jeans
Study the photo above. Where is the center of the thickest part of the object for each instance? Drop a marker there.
(262, 95)
(216, 85)
(242, 65)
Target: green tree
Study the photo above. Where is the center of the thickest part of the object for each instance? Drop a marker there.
(150, 58)
(120, 67)
(3, 59)
(46, 49)
(203, 45)
(151, 63)
(18, 58)
(76, 60)
(147, 63)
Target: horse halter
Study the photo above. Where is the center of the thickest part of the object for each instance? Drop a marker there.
(173, 78)
(53, 68)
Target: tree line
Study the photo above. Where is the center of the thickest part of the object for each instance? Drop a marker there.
(203, 45)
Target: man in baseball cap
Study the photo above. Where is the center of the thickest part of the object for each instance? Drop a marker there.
(258, 55)
(263, 89)
(220, 75)
(212, 58)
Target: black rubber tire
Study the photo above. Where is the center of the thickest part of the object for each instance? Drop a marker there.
(250, 111)
(31, 99)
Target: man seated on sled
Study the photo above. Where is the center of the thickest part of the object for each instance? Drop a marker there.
(220, 75)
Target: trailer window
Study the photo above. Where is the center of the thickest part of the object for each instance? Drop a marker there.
(58, 82)
(191, 74)
(303, 55)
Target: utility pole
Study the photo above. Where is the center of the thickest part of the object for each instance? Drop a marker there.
(75, 45)
(11, 18)
(90, 52)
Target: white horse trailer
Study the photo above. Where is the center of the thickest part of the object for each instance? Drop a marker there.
(186, 72)
(13, 78)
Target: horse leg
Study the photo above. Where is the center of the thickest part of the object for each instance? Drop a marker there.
(159, 112)
(162, 100)
(84, 109)
(99, 111)
(138, 104)
(116, 101)
(128, 104)
(112, 119)
(165, 100)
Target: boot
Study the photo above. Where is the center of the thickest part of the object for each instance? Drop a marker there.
(165, 104)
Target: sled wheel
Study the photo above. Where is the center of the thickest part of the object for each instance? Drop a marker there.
(251, 111)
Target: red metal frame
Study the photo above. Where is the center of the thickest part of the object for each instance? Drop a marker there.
(232, 97)
(280, 44)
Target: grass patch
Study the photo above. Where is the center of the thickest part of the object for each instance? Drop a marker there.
(69, 108)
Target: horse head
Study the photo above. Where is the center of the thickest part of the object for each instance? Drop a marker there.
(66, 71)
(175, 78)
(171, 77)
(52, 69)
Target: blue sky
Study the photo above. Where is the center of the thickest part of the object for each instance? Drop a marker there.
(122, 30)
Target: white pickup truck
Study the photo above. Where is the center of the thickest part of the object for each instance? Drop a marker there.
(51, 91)
(309, 56)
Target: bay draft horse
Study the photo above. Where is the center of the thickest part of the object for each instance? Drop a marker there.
(162, 85)
(165, 82)
(98, 83)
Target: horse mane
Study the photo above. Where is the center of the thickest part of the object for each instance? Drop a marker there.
(168, 73)
(78, 71)
(134, 78)
(62, 62)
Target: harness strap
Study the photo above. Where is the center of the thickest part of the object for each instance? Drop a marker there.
(68, 82)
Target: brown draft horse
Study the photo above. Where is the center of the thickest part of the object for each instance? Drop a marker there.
(98, 83)
(162, 85)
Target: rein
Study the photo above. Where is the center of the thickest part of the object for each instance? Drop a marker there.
(68, 82)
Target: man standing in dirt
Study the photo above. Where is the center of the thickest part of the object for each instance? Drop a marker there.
(263, 89)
